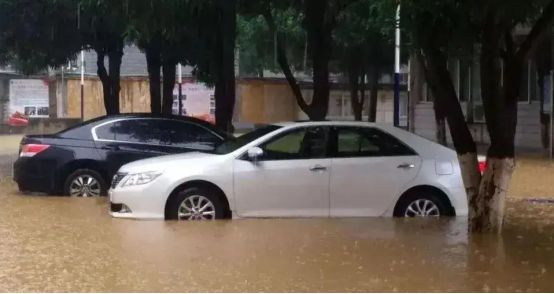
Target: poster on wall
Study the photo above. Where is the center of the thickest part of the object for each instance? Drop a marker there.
(198, 101)
(28, 98)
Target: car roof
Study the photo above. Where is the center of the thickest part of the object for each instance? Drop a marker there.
(101, 119)
(328, 122)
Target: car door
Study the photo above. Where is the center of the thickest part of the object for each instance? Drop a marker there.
(123, 141)
(291, 179)
(369, 167)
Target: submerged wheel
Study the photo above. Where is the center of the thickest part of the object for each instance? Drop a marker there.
(421, 204)
(195, 204)
(85, 183)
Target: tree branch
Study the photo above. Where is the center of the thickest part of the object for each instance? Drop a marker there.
(538, 29)
(284, 63)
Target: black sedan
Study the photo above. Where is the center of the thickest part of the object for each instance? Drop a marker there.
(81, 161)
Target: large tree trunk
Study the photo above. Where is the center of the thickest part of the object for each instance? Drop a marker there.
(153, 64)
(225, 77)
(319, 40)
(374, 74)
(500, 106)
(442, 87)
(104, 78)
(110, 82)
(500, 101)
(168, 68)
(114, 57)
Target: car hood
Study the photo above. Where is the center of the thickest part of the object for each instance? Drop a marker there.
(165, 162)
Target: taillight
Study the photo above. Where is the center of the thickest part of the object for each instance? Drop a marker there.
(482, 166)
(30, 150)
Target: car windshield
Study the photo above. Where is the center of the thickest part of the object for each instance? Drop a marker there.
(235, 143)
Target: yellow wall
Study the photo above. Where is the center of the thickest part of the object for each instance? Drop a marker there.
(261, 101)
(134, 97)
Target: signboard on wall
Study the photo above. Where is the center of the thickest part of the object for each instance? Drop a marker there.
(198, 101)
(28, 97)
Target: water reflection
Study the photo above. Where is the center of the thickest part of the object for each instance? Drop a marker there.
(64, 244)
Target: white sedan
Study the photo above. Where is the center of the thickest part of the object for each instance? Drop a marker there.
(307, 169)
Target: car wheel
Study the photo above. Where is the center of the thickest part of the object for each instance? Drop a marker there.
(195, 204)
(421, 204)
(85, 183)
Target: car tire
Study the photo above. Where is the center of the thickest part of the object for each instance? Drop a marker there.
(92, 184)
(195, 203)
(421, 203)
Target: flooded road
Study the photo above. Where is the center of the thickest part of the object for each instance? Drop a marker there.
(68, 244)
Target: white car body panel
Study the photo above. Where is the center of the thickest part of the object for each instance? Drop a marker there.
(368, 186)
(349, 187)
(282, 188)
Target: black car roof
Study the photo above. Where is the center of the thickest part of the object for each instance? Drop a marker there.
(99, 119)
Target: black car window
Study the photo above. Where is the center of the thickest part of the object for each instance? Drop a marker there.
(106, 132)
(189, 135)
(144, 131)
(368, 142)
(304, 143)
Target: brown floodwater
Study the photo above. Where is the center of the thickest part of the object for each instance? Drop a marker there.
(69, 244)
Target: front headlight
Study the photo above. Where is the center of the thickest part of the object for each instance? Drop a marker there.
(140, 178)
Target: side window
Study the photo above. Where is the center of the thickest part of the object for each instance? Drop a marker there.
(368, 142)
(106, 132)
(143, 131)
(190, 135)
(352, 143)
(305, 143)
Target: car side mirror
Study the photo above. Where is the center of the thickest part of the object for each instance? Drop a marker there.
(255, 153)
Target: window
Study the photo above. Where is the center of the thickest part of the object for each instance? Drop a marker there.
(189, 135)
(353, 143)
(366, 142)
(106, 132)
(144, 131)
(305, 143)
(233, 144)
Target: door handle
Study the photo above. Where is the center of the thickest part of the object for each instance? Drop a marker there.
(406, 166)
(318, 167)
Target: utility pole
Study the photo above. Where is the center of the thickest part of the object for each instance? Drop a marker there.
(180, 81)
(397, 68)
(82, 85)
(551, 137)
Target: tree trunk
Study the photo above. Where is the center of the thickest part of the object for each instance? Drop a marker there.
(225, 77)
(104, 79)
(442, 87)
(374, 74)
(169, 68)
(354, 84)
(320, 53)
(500, 107)
(284, 63)
(114, 57)
(440, 122)
(110, 82)
(362, 92)
(153, 64)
